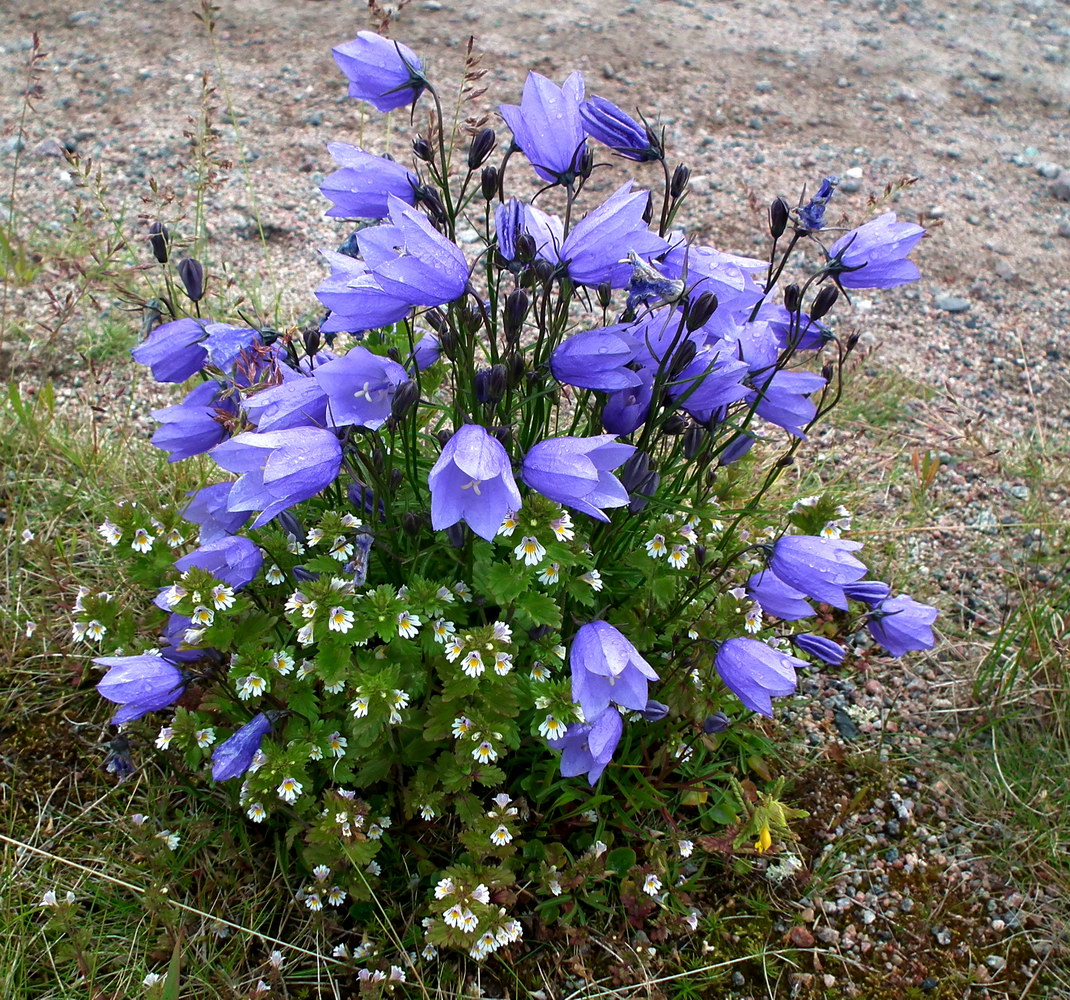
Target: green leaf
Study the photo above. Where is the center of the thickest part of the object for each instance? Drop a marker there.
(538, 609)
(501, 583)
(621, 861)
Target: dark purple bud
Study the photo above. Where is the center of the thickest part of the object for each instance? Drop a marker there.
(481, 148)
(716, 723)
(700, 311)
(694, 439)
(436, 319)
(779, 211)
(824, 649)
(700, 555)
(422, 150)
(444, 437)
(647, 488)
(503, 435)
(634, 471)
(792, 298)
(312, 341)
(586, 164)
(852, 341)
(648, 211)
(675, 424)
(304, 575)
(655, 711)
(684, 355)
(828, 369)
(516, 311)
(870, 592)
(406, 396)
(412, 524)
(192, 275)
(432, 201)
(159, 239)
(604, 291)
(447, 340)
(543, 269)
(517, 369)
(397, 477)
(678, 185)
(737, 448)
(824, 301)
(526, 248)
(490, 384)
(539, 632)
(455, 534)
(488, 182)
(473, 317)
(290, 524)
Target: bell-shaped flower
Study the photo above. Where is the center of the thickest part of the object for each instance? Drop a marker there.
(425, 352)
(729, 276)
(587, 747)
(785, 400)
(875, 254)
(596, 249)
(356, 299)
(870, 592)
(598, 359)
(234, 560)
(383, 72)
(822, 647)
(174, 351)
(279, 468)
(614, 128)
(901, 624)
(362, 187)
(791, 329)
(514, 217)
(140, 684)
(472, 481)
(627, 409)
(775, 597)
(296, 402)
(547, 126)
(208, 508)
(756, 672)
(360, 388)
(819, 567)
(578, 472)
(607, 668)
(226, 344)
(232, 757)
(196, 424)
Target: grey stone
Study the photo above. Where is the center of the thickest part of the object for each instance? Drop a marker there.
(951, 303)
(1060, 187)
(1064, 229)
(1049, 171)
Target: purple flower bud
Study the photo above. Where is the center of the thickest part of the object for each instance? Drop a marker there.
(577, 472)
(737, 448)
(824, 301)
(655, 711)
(901, 624)
(426, 352)
(613, 128)
(191, 273)
(159, 240)
(756, 673)
(678, 185)
(482, 146)
(869, 592)
(824, 649)
(385, 73)
(779, 211)
(716, 723)
(232, 757)
(140, 684)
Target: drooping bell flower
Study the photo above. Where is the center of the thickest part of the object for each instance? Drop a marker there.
(614, 128)
(234, 559)
(775, 597)
(587, 747)
(875, 254)
(174, 350)
(360, 388)
(627, 409)
(514, 217)
(297, 402)
(756, 672)
(607, 668)
(472, 481)
(196, 424)
(357, 300)
(823, 648)
(819, 567)
(140, 684)
(383, 72)
(547, 126)
(232, 757)
(578, 472)
(279, 468)
(597, 359)
(901, 624)
(362, 187)
(208, 508)
(785, 399)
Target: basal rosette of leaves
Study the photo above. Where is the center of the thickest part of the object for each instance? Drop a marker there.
(493, 532)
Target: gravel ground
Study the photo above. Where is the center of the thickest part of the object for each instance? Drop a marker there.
(759, 98)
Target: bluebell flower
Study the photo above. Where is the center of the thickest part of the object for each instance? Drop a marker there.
(785, 399)
(362, 187)
(875, 254)
(140, 684)
(812, 215)
(655, 711)
(870, 592)
(234, 560)
(901, 624)
(383, 72)
(278, 468)
(232, 757)
(616, 129)
(356, 298)
(598, 359)
(730, 277)
(513, 217)
(196, 424)
(226, 344)
(472, 481)
(627, 409)
(756, 672)
(819, 567)
(425, 352)
(208, 508)
(295, 402)
(587, 747)
(577, 472)
(739, 446)
(809, 334)
(174, 351)
(360, 387)
(823, 648)
(775, 597)
(547, 126)
(607, 668)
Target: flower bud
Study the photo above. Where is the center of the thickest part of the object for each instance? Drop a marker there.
(827, 371)
(412, 524)
(678, 185)
(304, 575)
(824, 301)
(779, 212)
(526, 248)
(447, 339)
(586, 164)
(444, 437)
(792, 298)
(268, 336)
(675, 424)
(655, 711)
(290, 524)
(604, 291)
(539, 632)
(396, 478)
(473, 317)
(432, 201)
(159, 239)
(436, 319)
(648, 211)
(490, 384)
(421, 149)
(503, 435)
(694, 438)
(700, 311)
(455, 535)
(852, 341)
(311, 339)
(405, 397)
(516, 311)
(700, 555)
(488, 181)
(647, 488)
(517, 369)
(481, 147)
(737, 448)
(684, 355)
(716, 723)
(543, 269)
(192, 275)
(634, 471)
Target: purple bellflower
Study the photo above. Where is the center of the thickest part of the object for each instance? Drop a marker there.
(730, 277)
(785, 400)
(225, 344)
(356, 298)
(875, 254)
(514, 217)
(870, 592)
(140, 684)
(385, 73)
(196, 424)
(360, 387)
(756, 673)
(174, 350)
(297, 402)
(208, 508)
(627, 409)
(361, 188)
(279, 468)
(234, 560)
(824, 649)
(577, 472)
(231, 759)
(612, 127)
(808, 335)
(597, 359)
(775, 597)
(472, 481)
(597, 247)
(607, 668)
(901, 624)
(547, 126)
(587, 748)
(426, 351)
(819, 567)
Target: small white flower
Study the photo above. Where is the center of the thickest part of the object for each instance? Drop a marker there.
(426, 812)
(652, 885)
(686, 848)
(110, 532)
(341, 549)
(656, 547)
(339, 950)
(337, 687)
(485, 752)
(321, 873)
(472, 664)
(503, 663)
(373, 868)
(408, 625)
(340, 620)
(397, 974)
(313, 901)
(169, 838)
(256, 812)
(175, 538)
(164, 737)
(252, 685)
(49, 899)
(337, 744)
(359, 707)
(454, 916)
(443, 630)
(678, 556)
(552, 729)
(375, 831)
(530, 550)
(27, 535)
(205, 737)
(308, 610)
(151, 979)
(562, 527)
(276, 959)
(336, 896)
(94, 631)
(288, 790)
(454, 648)
(314, 537)
(304, 634)
(540, 672)
(501, 836)
(142, 541)
(463, 591)
(274, 576)
(752, 619)
(469, 922)
(594, 578)
(202, 616)
(429, 953)
(509, 525)
(550, 574)
(462, 726)
(222, 597)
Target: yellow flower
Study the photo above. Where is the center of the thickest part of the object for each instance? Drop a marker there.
(764, 841)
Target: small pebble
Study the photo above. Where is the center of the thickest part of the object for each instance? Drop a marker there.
(951, 303)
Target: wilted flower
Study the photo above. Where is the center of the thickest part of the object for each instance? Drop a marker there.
(901, 624)
(383, 72)
(577, 472)
(607, 668)
(875, 255)
(756, 673)
(232, 757)
(140, 684)
(812, 214)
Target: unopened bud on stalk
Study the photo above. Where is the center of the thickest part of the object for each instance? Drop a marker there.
(432, 201)
(852, 341)
(675, 424)
(824, 301)
(539, 632)
(444, 437)
(604, 291)
(647, 488)
(678, 185)
(455, 534)
(634, 471)
(159, 238)
(543, 269)
(694, 438)
(436, 319)
(268, 336)
(586, 164)
(396, 478)
(684, 355)
(447, 339)
(503, 435)
(473, 317)
(490, 384)
(792, 298)
(716, 723)
(488, 182)
(290, 524)
(393, 354)
(516, 311)
(405, 397)
(779, 213)
(648, 210)
(311, 339)
(517, 369)
(481, 148)
(192, 275)
(411, 523)
(827, 371)
(700, 311)
(737, 448)
(421, 149)
(526, 248)
(700, 555)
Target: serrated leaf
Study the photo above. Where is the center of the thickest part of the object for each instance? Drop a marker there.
(501, 583)
(534, 608)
